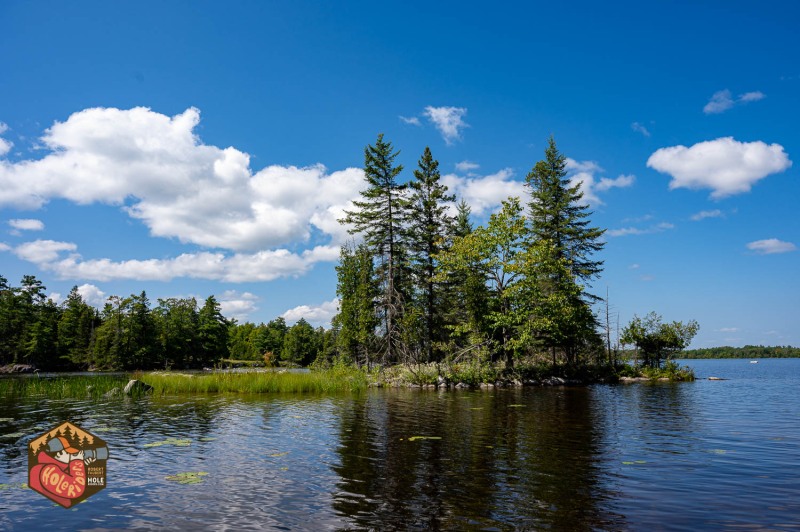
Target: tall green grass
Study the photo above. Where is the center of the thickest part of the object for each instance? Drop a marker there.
(166, 383)
(67, 387)
(326, 381)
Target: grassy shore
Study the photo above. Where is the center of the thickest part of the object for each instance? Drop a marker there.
(170, 383)
(332, 380)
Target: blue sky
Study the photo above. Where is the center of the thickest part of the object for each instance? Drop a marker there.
(198, 148)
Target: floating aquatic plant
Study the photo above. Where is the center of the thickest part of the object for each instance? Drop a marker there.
(188, 477)
(185, 442)
(278, 455)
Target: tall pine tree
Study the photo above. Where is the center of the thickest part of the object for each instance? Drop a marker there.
(380, 218)
(429, 226)
(560, 219)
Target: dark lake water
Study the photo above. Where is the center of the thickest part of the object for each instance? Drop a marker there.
(707, 455)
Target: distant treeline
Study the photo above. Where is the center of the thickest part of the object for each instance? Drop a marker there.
(748, 351)
(130, 333)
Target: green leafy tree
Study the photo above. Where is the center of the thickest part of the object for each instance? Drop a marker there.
(357, 290)
(429, 227)
(177, 321)
(656, 341)
(270, 339)
(380, 218)
(301, 345)
(494, 251)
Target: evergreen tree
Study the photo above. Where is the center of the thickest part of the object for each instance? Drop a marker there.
(558, 215)
(560, 219)
(76, 329)
(380, 217)
(141, 336)
(429, 226)
(212, 333)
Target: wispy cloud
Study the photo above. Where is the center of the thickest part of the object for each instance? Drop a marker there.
(723, 100)
(467, 166)
(702, 215)
(627, 231)
(639, 128)
(771, 246)
(413, 120)
(5, 145)
(584, 174)
(448, 120)
(724, 165)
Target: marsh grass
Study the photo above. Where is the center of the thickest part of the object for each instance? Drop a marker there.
(166, 383)
(327, 381)
(66, 387)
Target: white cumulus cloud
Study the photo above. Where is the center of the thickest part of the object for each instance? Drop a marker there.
(317, 315)
(92, 295)
(771, 246)
(26, 224)
(237, 305)
(484, 193)
(448, 120)
(238, 267)
(724, 165)
(158, 170)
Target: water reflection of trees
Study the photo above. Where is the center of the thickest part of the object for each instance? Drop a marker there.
(509, 459)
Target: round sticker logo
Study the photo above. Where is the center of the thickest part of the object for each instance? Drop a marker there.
(67, 464)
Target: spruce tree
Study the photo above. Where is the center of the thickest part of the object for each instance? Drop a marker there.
(558, 215)
(380, 218)
(560, 228)
(429, 226)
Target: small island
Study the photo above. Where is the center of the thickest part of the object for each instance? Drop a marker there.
(425, 299)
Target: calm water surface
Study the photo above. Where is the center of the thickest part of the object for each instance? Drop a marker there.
(707, 455)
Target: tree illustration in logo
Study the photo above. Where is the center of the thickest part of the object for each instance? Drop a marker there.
(67, 464)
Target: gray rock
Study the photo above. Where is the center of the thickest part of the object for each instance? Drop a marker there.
(135, 386)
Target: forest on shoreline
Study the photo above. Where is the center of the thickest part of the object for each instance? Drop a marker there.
(418, 284)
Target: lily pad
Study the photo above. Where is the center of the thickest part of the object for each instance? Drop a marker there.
(188, 477)
(19, 485)
(185, 442)
(415, 438)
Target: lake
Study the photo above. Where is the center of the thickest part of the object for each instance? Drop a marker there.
(686, 456)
